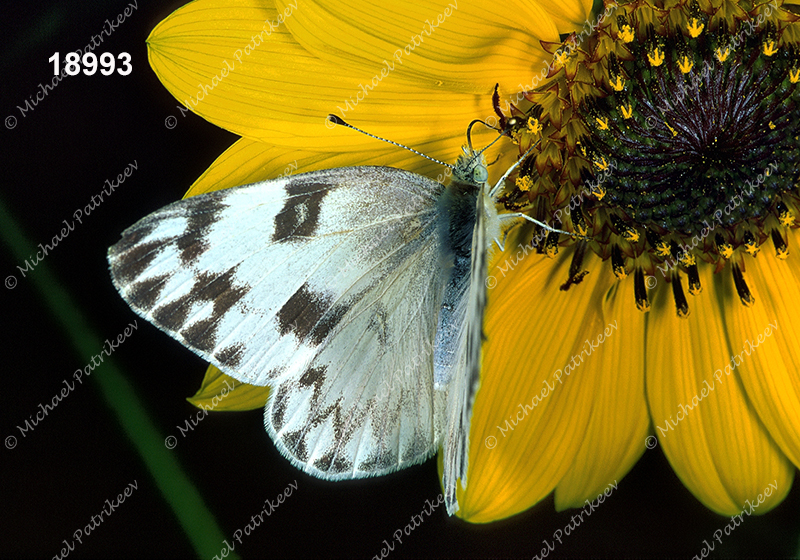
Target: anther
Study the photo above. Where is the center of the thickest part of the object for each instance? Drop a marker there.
(576, 272)
(618, 262)
(741, 286)
(681, 305)
(660, 246)
(781, 246)
(694, 279)
(640, 291)
(725, 249)
(627, 232)
(750, 243)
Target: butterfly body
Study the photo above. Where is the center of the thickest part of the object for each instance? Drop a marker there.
(356, 294)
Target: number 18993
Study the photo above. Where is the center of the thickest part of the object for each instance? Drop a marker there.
(74, 63)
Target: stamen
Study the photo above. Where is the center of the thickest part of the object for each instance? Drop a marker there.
(524, 183)
(576, 275)
(656, 57)
(741, 286)
(578, 221)
(781, 246)
(695, 28)
(685, 64)
(785, 216)
(625, 231)
(551, 245)
(618, 262)
(672, 135)
(534, 126)
(725, 249)
(681, 305)
(660, 246)
(694, 280)
(626, 33)
(640, 291)
(770, 48)
(722, 54)
(750, 244)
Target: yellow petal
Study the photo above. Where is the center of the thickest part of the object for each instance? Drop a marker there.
(457, 46)
(573, 15)
(221, 392)
(514, 465)
(772, 375)
(218, 59)
(615, 437)
(709, 432)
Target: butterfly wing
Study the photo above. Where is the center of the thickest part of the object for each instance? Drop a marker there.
(324, 285)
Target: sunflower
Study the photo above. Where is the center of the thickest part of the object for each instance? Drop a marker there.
(665, 131)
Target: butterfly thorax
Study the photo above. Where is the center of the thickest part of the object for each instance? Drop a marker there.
(459, 200)
(458, 208)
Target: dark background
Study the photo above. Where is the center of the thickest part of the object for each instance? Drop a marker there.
(88, 130)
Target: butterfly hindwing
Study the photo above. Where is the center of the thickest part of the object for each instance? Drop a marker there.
(365, 405)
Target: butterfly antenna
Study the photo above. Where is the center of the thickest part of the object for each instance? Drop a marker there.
(469, 138)
(469, 134)
(336, 120)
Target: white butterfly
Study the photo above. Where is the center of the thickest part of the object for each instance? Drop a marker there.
(357, 294)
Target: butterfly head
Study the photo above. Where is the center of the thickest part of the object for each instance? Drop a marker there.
(471, 167)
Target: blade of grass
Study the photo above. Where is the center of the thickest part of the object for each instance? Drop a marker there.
(175, 486)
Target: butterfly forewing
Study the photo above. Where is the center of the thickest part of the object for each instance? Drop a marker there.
(264, 264)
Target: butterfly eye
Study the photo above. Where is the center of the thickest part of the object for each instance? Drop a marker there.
(480, 174)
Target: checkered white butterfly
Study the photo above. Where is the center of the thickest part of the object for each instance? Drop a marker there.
(357, 294)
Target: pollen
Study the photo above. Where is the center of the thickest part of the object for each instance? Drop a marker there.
(626, 33)
(685, 65)
(601, 164)
(770, 48)
(750, 244)
(534, 126)
(656, 57)
(695, 28)
(524, 183)
(627, 110)
(786, 218)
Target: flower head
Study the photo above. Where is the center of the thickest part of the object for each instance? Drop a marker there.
(690, 257)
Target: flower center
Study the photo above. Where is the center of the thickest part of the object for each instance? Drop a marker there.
(693, 125)
(672, 136)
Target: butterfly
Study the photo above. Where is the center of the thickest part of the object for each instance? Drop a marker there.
(357, 294)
